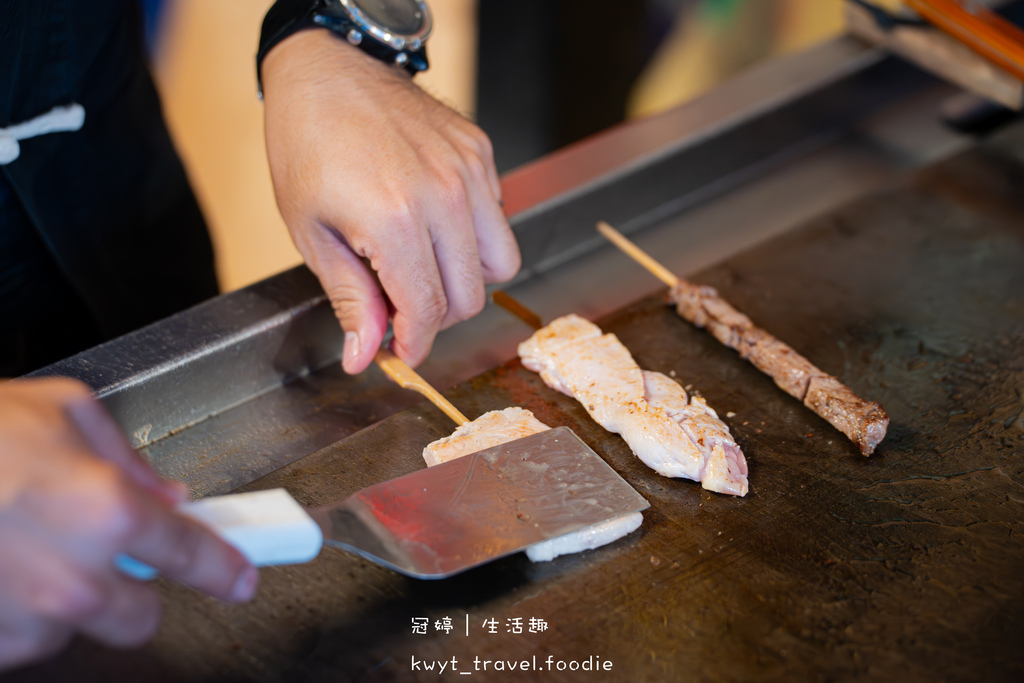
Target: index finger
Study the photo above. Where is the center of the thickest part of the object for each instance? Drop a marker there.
(184, 550)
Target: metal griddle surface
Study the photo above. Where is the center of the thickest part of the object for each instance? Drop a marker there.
(908, 564)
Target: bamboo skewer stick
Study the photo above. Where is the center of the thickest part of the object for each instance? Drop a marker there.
(517, 309)
(407, 378)
(639, 255)
(864, 422)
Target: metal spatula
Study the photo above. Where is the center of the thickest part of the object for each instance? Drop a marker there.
(443, 520)
(436, 522)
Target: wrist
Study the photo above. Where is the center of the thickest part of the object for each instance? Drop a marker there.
(319, 57)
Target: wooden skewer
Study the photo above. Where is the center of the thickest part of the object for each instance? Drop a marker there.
(639, 255)
(517, 309)
(407, 378)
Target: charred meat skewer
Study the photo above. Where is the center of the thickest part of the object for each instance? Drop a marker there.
(863, 422)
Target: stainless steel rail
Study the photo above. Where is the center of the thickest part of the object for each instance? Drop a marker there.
(637, 174)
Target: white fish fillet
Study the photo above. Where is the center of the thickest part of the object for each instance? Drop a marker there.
(672, 435)
(502, 426)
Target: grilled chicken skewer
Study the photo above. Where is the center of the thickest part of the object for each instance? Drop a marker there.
(863, 422)
(491, 429)
(673, 434)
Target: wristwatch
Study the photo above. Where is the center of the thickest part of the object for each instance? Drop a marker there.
(393, 31)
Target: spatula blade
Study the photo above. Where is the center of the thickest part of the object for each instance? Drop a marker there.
(446, 519)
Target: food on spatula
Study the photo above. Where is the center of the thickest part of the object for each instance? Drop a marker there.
(864, 422)
(488, 430)
(587, 538)
(501, 426)
(673, 435)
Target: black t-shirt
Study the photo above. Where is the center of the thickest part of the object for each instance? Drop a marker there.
(99, 231)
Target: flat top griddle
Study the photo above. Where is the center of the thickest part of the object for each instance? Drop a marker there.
(909, 564)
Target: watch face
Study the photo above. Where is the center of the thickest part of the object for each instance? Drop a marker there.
(402, 17)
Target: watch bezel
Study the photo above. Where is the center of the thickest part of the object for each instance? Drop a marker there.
(396, 41)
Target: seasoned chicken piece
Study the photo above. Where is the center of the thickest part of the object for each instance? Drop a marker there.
(488, 430)
(543, 347)
(864, 422)
(502, 426)
(725, 467)
(573, 357)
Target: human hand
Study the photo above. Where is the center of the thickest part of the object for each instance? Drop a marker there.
(73, 496)
(392, 198)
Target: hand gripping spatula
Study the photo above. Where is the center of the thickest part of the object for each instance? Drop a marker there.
(435, 522)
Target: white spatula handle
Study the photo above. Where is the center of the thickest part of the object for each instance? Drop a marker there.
(268, 527)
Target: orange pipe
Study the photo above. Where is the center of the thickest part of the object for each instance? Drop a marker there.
(982, 30)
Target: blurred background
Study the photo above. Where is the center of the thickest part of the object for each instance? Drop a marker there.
(536, 75)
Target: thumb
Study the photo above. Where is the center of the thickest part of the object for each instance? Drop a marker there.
(357, 299)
